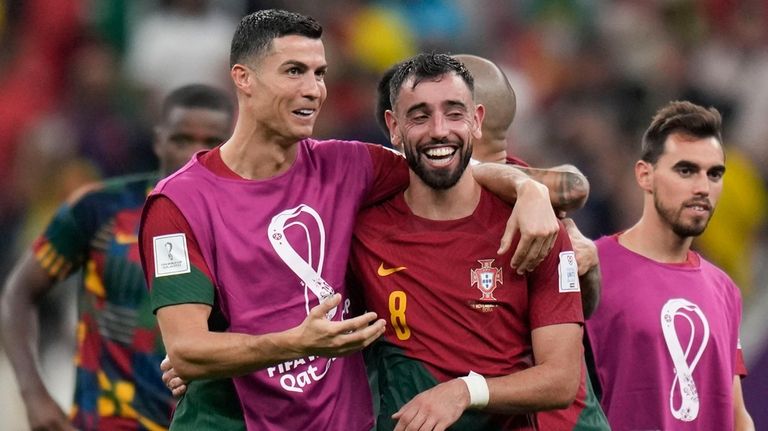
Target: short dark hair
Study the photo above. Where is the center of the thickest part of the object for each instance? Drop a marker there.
(198, 96)
(383, 103)
(256, 31)
(427, 66)
(679, 117)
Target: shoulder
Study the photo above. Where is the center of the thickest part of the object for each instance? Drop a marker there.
(335, 146)
(384, 216)
(492, 207)
(125, 191)
(718, 275)
(191, 172)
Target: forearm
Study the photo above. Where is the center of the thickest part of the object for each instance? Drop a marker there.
(20, 333)
(568, 187)
(742, 421)
(551, 383)
(20, 338)
(502, 180)
(198, 353)
(534, 389)
(590, 283)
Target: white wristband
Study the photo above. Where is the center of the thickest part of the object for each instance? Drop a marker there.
(478, 390)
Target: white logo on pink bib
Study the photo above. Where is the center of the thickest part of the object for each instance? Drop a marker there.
(683, 382)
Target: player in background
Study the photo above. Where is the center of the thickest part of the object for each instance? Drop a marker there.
(118, 383)
(666, 335)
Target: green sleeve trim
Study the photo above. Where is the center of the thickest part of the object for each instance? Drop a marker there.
(193, 287)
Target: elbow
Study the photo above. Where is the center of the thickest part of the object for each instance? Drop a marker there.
(563, 387)
(579, 190)
(572, 194)
(565, 391)
(183, 363)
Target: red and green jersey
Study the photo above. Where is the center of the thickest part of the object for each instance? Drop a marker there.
(452, 304)
(119, 348)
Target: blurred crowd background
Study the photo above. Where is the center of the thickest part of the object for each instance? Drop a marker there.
(80, 82)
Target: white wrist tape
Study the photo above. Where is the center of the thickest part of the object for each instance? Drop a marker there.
(478, 390)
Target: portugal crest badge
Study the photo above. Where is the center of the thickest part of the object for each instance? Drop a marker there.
(486, 278)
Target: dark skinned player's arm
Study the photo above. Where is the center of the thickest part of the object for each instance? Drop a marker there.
(27, 284)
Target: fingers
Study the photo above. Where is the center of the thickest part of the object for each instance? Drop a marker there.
(177, 386)
(361, 338)
(321, 309)
(531, 251)
(506, 239)
(179, 391)
(165, 365)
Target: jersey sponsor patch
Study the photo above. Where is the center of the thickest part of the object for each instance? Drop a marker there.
(171, 255)
(568, 272)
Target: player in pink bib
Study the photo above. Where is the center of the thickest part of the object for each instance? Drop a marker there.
(665, 335)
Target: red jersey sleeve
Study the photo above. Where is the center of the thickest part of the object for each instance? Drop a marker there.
(741, 366)
(554, 287)
(162, 217)
(390, 173)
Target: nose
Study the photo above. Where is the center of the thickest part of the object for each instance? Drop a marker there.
(312, 88)
(439, 127)
(702, 184)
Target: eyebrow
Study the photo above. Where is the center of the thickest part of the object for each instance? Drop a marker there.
(416, 107)
(448, 104)
(301, 65)
(694, 166)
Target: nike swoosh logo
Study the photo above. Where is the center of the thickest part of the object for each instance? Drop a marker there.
(388, 271)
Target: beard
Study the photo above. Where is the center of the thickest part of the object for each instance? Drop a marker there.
(440, 178)
(674, 219)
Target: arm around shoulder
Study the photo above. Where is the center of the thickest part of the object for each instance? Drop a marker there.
(568, 187)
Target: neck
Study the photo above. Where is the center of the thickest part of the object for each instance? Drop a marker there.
(454, 203)
(653, 238)
(490, 152)
(254, 154)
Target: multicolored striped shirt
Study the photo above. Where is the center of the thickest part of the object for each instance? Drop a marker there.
(118, 382)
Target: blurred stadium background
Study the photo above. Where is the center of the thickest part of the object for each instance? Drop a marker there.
(80, 82)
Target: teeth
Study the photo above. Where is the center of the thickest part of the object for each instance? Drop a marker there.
(440, 152)
(304, 111)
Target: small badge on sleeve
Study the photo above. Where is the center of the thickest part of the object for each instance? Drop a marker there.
(568, 272)
(171, 255)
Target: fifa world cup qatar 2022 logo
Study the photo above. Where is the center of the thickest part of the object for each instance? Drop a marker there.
(486, 278)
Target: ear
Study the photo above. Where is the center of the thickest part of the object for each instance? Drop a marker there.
(644, 175)
(241, 76)
(477, 133)
(394, 137)
(157, 137)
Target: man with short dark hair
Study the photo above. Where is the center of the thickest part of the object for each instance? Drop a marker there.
(118, 384)
(666, 335)
(465, 333)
